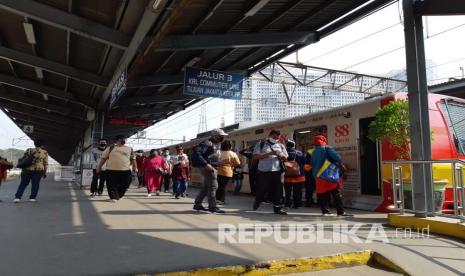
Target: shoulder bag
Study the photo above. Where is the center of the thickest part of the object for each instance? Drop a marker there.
(329, 171)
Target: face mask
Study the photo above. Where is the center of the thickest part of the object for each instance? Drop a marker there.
(274, 141)
(166, 153)
(123, 142)
(103, 145)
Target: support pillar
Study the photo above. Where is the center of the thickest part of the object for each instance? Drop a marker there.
(423, 203)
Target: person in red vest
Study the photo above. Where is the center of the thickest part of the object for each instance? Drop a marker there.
(140, 157)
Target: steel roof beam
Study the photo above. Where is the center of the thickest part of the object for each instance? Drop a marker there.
(148, 19)
(43, 125)
(134, 112)
(156, 99)
(56, 119)
(55, 67)
(443, 7)
(157, 80)
(249, 40)
(42, 89)
(67, 21)
(14, 97)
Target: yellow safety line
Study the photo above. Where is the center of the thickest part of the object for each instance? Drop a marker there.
(278, 267)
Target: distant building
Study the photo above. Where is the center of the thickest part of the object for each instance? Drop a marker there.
(266, 101)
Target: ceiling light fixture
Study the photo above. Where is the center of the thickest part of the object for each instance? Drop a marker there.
(256, 8)
(39, 73)
(156, 4)
(29, 30)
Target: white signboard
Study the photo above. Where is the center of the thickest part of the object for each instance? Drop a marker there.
(28, 128)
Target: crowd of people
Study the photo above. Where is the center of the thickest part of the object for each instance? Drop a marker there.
(277, 172)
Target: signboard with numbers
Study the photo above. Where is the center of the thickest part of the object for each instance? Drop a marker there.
(210, 83)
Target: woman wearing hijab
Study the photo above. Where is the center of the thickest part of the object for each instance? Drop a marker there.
(293, 184)
(154, 167)
(324, 188)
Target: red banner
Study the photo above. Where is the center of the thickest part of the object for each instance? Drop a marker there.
(118, 121)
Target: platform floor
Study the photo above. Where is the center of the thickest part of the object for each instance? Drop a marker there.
(67, 233)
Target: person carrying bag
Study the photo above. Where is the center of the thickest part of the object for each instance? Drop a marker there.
(327, 166)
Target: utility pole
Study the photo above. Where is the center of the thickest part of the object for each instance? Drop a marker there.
(461, 69)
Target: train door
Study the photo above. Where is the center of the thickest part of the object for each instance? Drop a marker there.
(304, 137)
(369, 160)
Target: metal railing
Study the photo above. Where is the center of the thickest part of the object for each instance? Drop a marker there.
(458, 185)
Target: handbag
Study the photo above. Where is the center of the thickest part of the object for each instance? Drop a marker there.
(329, 171)
(26, 161)
(292, 168)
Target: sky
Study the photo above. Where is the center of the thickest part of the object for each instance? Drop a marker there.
(373, 45)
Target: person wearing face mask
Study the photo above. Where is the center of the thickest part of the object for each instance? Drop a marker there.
(169, 170)
(270, 153)
(98, 179)
(118, 158)
(181, 170)
(209, 170)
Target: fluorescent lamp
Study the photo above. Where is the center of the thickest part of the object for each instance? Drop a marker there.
(39, 73)
(305, 131)
(29, 30)
(192, 61)
(256, 8)
(156, 4)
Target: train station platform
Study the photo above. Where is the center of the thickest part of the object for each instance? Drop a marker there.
(67, 233)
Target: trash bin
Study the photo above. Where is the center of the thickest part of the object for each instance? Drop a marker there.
(438, 194)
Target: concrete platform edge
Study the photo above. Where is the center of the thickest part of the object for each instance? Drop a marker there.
(451, 229)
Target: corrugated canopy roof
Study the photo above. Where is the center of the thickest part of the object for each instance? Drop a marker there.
(60, 58)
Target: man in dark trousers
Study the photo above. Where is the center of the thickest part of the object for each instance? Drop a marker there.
(270, 154)
(209, 170)
(98, 179)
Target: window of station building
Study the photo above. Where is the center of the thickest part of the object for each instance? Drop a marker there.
(453, 112)
(304, 137)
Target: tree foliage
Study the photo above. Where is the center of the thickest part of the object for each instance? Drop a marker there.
(391, 126)
(11, 154)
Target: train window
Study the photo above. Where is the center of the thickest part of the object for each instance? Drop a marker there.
(259, 131)
(454, 113)
(304, 137)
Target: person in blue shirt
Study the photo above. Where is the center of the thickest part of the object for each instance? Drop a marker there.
(209, 169)
(324, 188)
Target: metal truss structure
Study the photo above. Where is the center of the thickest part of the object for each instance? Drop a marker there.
(294, 74)
(152, 141)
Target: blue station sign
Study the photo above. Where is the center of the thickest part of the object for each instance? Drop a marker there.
(210, 83)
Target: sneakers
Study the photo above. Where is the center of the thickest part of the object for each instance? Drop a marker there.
(176, 196)
(200, 208)
(280, 212)
(149, 195)
(345, 215)
(93, 194)
(112, 200)
(256, 205)
(216, 211)
(167, 192)
(17, 200)
(32, 200)
(157, 193)
(326, 213)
